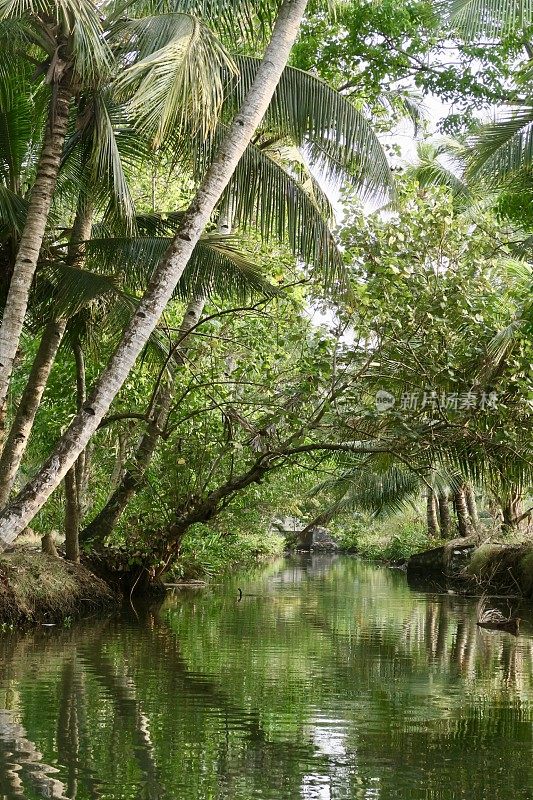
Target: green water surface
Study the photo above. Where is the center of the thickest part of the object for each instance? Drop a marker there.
(330, 680)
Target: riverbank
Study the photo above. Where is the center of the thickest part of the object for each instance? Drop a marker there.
(490, 567)
(38, 588)
(488, 562)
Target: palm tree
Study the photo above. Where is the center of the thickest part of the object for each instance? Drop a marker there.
(74, 52)
(166, 276)
(177, 55)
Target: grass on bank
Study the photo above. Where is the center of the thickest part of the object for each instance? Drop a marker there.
(35, 587)
(207, 552)
(391, 539)
(506, 567)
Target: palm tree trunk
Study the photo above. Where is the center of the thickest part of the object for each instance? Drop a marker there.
(444, 515)
(431, 514)
(17, 440)
(75, 475)
(15, 518)
(19, 434)
(32, 237)
(461, 509)
(133, 478)
(472, 506)
(511, 511)
(72, 517)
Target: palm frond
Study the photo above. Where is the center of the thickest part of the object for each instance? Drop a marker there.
(20, 116)
(291, 159)
(13, 209)
(79, 20)
(110, 148)
(266, 197)
(407, 104)
(433, 173)
(217, 266)
(175, 82)
(382, 493)
(502, 149)
(338, 138)
(75, 287)
(489, 17)
(238, 22)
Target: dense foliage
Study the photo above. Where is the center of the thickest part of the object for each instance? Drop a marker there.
(301, 366)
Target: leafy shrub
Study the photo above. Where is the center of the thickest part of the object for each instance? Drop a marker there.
(392, 539)
(207, 552)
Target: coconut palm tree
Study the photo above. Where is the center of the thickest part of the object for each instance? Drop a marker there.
(72, 52)
(177, 56)
(166, 275)
(171, 266)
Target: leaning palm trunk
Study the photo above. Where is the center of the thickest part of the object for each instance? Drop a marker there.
(15, 445)
(15, 518)
(32, 237)
(134, 477)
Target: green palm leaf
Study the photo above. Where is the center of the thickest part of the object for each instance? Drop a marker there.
(337, 136)
(264, 196)
(79, 20)
(429, 170)
(504, 148)
(13, 209)
(490, 17)
(175, 82)
(237, 21)
(381, 492)
(218, 265)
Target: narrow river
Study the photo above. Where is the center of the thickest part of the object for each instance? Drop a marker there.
(331, 679)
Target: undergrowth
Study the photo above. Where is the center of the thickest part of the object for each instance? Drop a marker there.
(391, 539)
(207, 552)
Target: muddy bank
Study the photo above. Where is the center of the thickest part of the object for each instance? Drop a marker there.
(505, 569)
(38, 588)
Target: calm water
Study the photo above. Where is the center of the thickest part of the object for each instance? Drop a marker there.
(331, 679)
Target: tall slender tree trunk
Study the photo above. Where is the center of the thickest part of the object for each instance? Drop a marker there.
(444, 515)
(19, 434)
(133, 478)
(15, 518)
(72, 517)
(470, 498)
(32, 236)
(431, 514)
(17, 440)
(75, 476)
(461, 510)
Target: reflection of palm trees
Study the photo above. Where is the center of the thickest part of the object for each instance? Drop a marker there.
(68, 740)
(214, 698)
(21, 760)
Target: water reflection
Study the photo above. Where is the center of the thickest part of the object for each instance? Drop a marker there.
(331, 679)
